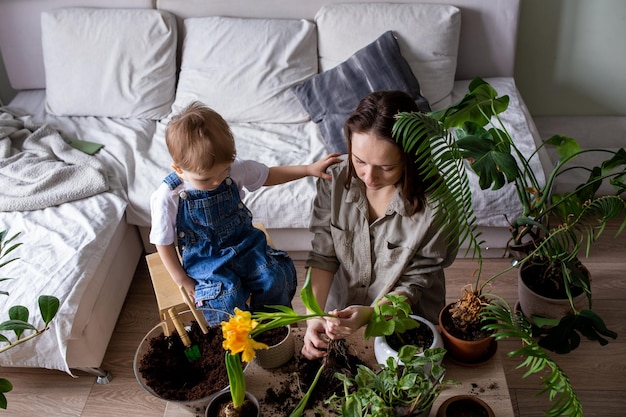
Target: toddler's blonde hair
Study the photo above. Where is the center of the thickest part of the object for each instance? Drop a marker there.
(198, 138)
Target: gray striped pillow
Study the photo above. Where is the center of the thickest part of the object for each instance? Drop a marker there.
(331, 96)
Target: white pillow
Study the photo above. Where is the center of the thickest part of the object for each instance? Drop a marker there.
(244, 68)
(109, 62)
(428, 35)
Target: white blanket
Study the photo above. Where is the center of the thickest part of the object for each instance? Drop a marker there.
(136, 152)
(38, 169)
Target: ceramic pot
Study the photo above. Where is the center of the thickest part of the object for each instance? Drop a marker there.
(519, 252)
(163, 336)
(250, 408)
(533, 304)
(278, 354)
(382, 350)
(464, 351)
(465, 406)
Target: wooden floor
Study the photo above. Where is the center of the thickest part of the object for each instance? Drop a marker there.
(597, 373)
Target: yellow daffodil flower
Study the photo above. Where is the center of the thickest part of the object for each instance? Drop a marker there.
(237, 338)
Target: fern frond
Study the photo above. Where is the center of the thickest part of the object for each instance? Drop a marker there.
(439, 160)
(506, 323)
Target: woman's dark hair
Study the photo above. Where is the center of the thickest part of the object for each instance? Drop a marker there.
(375, 114)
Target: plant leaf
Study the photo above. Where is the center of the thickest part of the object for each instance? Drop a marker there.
(48, 306)
(308, 298)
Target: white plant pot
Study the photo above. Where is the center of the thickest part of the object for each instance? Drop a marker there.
(533, 304)
(277, 355)
(382, 350)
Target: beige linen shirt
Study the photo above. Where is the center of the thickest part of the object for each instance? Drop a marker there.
(396, 252)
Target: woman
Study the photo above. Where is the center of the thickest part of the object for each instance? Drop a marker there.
(375, 233)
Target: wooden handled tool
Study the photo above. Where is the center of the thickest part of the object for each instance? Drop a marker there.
(191, 351)
(197, 314)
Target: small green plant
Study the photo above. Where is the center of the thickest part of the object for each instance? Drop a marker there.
(390, 317)
(18, 322)
(411, 387)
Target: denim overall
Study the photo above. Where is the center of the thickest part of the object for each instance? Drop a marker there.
(227, 256)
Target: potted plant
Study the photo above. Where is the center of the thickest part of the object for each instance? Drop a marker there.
(280, 347)
(464, 406)
(551, 229)
(431, 138)
(398, 389)
(18, 322)
(558, 225)
(392, 325)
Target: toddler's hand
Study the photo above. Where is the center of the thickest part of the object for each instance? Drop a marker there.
(318, 169)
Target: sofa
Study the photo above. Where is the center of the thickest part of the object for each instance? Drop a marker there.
(99, 80)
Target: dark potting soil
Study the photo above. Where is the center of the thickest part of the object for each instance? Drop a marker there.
(167, 371)
(170, 375)
(420, 336)
(549, 283)
(466, 408)
(301, 373)
(272, 337)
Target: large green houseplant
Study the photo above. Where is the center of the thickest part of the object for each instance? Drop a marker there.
(18, 323)
(559, 226)
(555, 227)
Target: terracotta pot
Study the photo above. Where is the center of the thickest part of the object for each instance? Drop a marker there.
(533, 304)
(382, 350)
(278, 354)
(250, 408)
(464, 351)
(464, 406)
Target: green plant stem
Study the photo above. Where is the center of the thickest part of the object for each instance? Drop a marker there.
(23, 339)
(505, 323)
(236, 379)
(297, 412)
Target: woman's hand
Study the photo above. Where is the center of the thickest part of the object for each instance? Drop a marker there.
(347, 321)
(315, 339)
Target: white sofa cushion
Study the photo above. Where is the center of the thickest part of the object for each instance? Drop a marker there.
(428, 35)
(244, 68)
(330, 97)
(109, 62)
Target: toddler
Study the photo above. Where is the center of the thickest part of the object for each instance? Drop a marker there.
(198, 210)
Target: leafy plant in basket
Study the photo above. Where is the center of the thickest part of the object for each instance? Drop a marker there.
(18, 322)
(554, 227)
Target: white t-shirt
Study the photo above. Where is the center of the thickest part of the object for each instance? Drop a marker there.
(247, 174)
